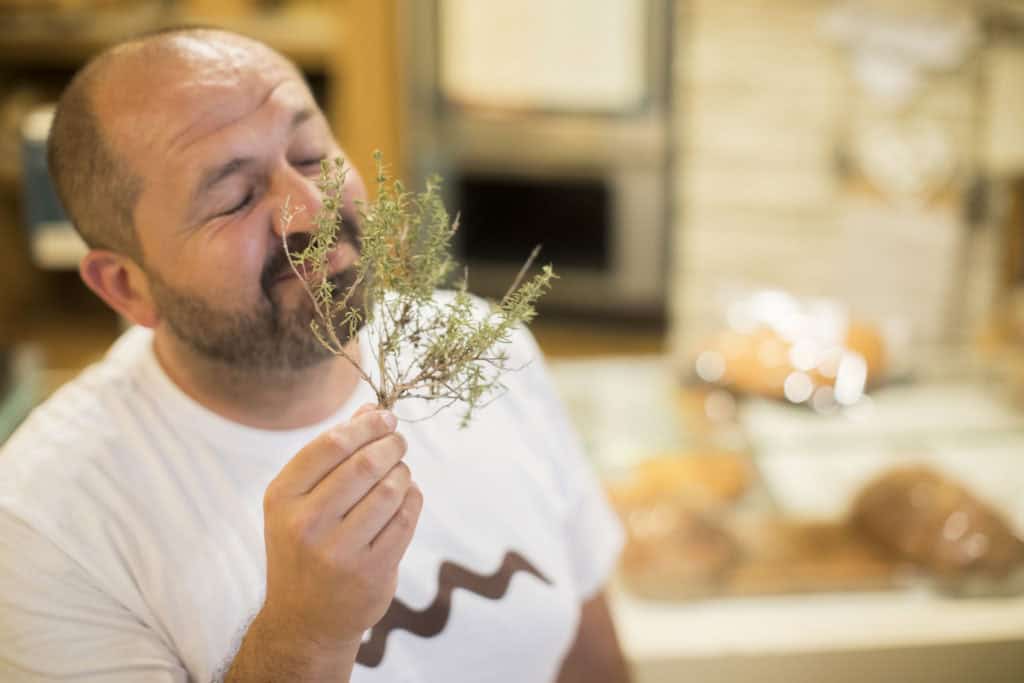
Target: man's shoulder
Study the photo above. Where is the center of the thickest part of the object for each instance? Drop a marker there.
(80, 426)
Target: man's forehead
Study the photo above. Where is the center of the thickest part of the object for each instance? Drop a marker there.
(159, 95)
(205, 54)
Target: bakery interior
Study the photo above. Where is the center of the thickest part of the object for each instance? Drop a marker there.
(789, 324)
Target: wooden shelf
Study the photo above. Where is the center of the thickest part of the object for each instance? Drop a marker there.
(353, 45)
(307, 35)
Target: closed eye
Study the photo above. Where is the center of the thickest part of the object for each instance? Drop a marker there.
(310, 164)
(240, 205)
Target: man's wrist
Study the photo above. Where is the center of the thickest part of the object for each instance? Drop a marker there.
(274, 650)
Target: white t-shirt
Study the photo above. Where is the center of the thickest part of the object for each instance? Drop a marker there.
(131, 533)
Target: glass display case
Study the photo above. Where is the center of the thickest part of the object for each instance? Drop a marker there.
(748, 550)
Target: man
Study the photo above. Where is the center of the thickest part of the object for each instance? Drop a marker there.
(218, 499)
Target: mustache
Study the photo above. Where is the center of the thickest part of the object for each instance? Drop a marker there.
(278, 264)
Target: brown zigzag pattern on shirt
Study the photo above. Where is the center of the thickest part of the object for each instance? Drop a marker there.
(432, 620)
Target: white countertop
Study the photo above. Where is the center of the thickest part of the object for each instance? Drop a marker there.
(792, 624)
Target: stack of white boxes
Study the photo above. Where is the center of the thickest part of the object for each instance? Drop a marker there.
(757, 94)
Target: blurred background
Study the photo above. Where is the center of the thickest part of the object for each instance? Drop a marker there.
(789, 323)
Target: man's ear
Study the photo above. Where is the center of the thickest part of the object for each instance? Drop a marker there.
(120, 282)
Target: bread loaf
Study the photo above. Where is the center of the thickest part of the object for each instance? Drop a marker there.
(928, 520)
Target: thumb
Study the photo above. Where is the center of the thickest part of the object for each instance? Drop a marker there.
(363, 409)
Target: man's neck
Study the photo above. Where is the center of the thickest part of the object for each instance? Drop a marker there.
(273, 400)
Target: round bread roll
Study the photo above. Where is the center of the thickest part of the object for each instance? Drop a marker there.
(867, 340)
(760, 362)
(700, 479)
(755, 363)
(674, 553)
(674, 548)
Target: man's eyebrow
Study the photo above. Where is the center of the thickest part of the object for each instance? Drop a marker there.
(218, 173)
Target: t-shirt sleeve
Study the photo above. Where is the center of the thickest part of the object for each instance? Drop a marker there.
(57, 625)
(593, 533)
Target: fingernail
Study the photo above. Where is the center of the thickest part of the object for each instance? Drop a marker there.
(389, 419)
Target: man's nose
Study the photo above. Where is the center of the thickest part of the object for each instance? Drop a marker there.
(298, 199)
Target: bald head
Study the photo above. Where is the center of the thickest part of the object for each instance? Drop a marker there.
(104, 119)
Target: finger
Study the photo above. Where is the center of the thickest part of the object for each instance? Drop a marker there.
(363, 409)
(391, 543)
(318, 458)
(344, 487)
(369, 516)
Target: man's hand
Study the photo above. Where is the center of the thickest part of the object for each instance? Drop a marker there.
(338, 519)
